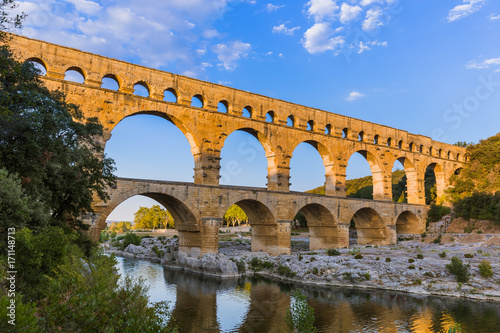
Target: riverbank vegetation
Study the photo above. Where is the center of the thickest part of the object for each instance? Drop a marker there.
(53, 277)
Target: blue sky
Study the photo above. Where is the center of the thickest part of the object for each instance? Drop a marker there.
(425, 66)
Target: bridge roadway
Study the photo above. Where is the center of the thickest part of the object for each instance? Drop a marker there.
(198, 211)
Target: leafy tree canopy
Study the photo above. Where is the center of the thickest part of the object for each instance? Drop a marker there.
(153, 218)
(235, 215)
(48, 145)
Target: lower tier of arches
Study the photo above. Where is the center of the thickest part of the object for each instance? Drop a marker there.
(198, 211)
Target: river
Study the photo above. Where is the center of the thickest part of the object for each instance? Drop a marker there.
(207, 304)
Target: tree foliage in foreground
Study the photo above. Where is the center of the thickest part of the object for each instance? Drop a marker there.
(48, 145)
(300, 316)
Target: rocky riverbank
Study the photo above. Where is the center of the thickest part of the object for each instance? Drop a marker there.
(412, 266)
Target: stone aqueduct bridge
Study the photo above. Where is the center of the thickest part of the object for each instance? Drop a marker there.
(280, 127)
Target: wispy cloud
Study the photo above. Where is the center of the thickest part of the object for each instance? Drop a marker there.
(272, 8)
(282, 29)
(494, 17)
(482, 64)
(354, 95)
(467, 8)
(229, 53)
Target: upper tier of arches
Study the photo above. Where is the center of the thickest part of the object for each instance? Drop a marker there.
(173, 88)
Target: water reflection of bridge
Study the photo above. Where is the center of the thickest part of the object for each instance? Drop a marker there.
(337, 310)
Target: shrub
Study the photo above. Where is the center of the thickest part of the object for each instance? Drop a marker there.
(285, 271)
(442, 254)
(437, 240)
(420, 256)
(411, 267)
(436, 212)
(315, 270)
(157, 251)
(367, 276)
(267, 265)
(377, 258)
(332, 252)
(485, 269)
(459, 269)
(387, 259)
(358, 256)
(312, 259)
(417, 282)
(411, 260)
(241, 266)
(130, 238)
(468, 229)
(300, 257)
(300, 317)
(469, 255)
(175, 236)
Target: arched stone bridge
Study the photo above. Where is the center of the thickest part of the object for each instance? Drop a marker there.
(279, 126)
(198, 211)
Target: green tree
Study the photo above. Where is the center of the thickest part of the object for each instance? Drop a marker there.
(153, 218)
(48, 144)
(300, 317)
(235, 215)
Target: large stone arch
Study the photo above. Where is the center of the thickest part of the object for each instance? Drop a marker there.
(328, 162)
(441, 181)
(268, 234)
(379, 178)
(411, 178)
(323, 229)
(408, 223)
(184, 217)
(370, 227)
(194, 142)
(266, 144)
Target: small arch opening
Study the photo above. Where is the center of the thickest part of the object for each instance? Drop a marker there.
(361, 136)
(170, 95)
(197, 101)
(458, 157)
(345, 133)
(421, 149)
(400, 144)
(39, 66)
(328, 129)
(411, 147)
(223, 107)
(74, 74)
(270, 117)
(141, 89)
(431, 151)
(247, 112)
(389, 142)
(290, 121)
(440, 152)
(376, 139)
(310, 125)
(110, 82)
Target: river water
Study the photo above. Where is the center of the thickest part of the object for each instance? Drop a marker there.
(206, 304)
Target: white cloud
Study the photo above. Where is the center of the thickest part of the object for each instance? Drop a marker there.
(354, 95)
(349, 13)
(368, 46)
(229, 53)
(322, 9)
(152, 33)
(365, 3)
(475, 64)
(319, 38)
(271, 8)
(86, 6)
(467, 8)
(494, 17)
(372, 20)
(282, 29)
